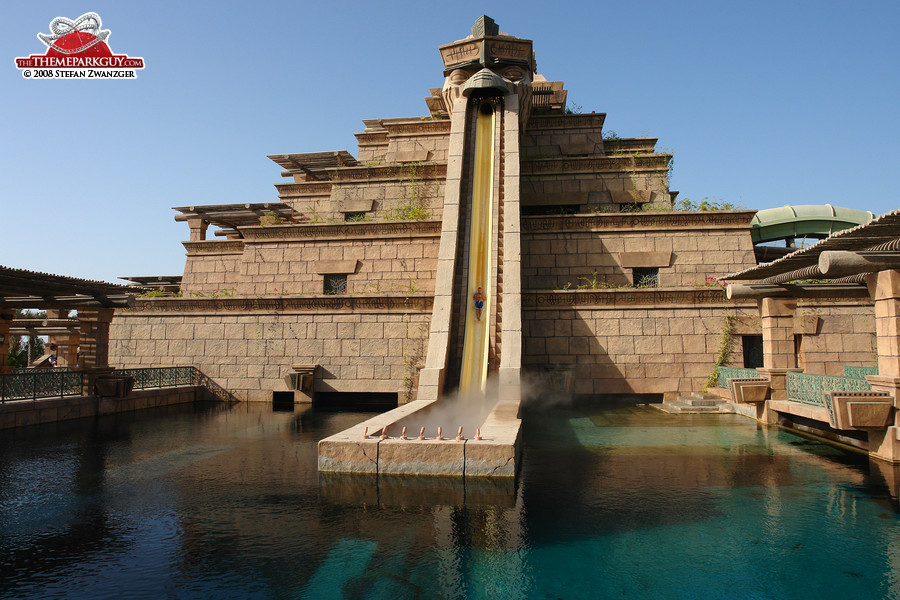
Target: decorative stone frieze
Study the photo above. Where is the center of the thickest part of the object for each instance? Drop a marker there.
(607, 164)
(557, 122)
(624, 297)
(626, 221)
(344, 231)
(282, 304)
(215, 247)
(388, 172)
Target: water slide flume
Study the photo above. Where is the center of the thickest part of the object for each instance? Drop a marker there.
(484, 417)
(473, 371)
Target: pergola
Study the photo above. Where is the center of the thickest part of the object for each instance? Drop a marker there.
(59, 294)
(860, 262)
(229, 217)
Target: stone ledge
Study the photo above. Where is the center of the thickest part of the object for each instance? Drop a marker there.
(730, 219)
(342, 231)
(214, 247)
(709, 297)
(285, 304)
(606, 164)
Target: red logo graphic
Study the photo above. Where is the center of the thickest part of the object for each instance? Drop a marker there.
(78, 48)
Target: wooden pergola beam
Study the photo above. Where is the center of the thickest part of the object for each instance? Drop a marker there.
(70, 302)
(758, 291)
(840, 263)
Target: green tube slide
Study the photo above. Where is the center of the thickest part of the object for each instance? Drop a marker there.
(805, 220)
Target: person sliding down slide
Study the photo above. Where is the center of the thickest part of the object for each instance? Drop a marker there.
(479, 299)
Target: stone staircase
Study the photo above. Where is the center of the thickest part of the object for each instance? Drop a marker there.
(698, 402)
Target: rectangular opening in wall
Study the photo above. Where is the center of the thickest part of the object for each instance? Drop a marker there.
(752, 346)
(356, 400)
(354, 217)
(335, 284)
(283, 401)
(645, 277)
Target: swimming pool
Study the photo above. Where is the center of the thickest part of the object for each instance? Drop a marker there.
(619, 502)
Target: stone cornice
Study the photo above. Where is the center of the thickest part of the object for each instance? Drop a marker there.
(215, 247)
(627, 298)
(281, 304)
(308, 188)
(731, 219)
(629, 145)
(606, 164)
(591, 121)
(343, 231)
(406, 128)
(395, 172)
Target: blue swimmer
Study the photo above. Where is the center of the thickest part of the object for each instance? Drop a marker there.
(479, 299)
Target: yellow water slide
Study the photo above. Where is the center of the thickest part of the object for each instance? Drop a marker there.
(473, 374)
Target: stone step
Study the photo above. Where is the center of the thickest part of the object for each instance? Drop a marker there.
(698, 402)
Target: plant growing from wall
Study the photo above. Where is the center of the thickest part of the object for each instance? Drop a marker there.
(686, 204)
(724, 350)
(271, 219)
(413, 208)
(412, 356)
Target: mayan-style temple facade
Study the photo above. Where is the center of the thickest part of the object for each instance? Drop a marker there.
(364, 275)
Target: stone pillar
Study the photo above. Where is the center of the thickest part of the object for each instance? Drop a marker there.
(94, 353)
(198, 228)
(6, 317)
(885, 444)
(777, 315)
(66, 345)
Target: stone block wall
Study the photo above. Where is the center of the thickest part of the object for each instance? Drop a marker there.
(383, 266)
(401, 140)
(563, 135)
(654, 341)
(249, 354)
(832, 335)
(555, 256)
(384, 258)
(625, 350)
(212, 266)
(383, 198)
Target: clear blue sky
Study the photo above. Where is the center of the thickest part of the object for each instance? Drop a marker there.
(763, 103)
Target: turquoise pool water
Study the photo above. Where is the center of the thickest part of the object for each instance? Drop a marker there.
(623, 502)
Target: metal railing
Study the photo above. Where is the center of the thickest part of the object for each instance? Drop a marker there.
(860, 372)
(41, 384)
(155, 377)
(809, 387)
(726, 373)
(57, 383)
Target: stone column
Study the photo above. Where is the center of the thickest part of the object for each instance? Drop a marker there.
(885, 444)
(198, 228)
(777, 315)
(94, 359)
(6, 317)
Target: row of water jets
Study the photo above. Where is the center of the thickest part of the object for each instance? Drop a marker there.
(440, 436)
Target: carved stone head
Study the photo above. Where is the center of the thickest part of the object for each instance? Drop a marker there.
(489, 63)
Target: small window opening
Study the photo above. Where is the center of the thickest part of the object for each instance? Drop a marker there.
(353, 217)
(336, 284)
(753, 351)
(645, 277)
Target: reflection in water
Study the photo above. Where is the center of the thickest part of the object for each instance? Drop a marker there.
(226, 501)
